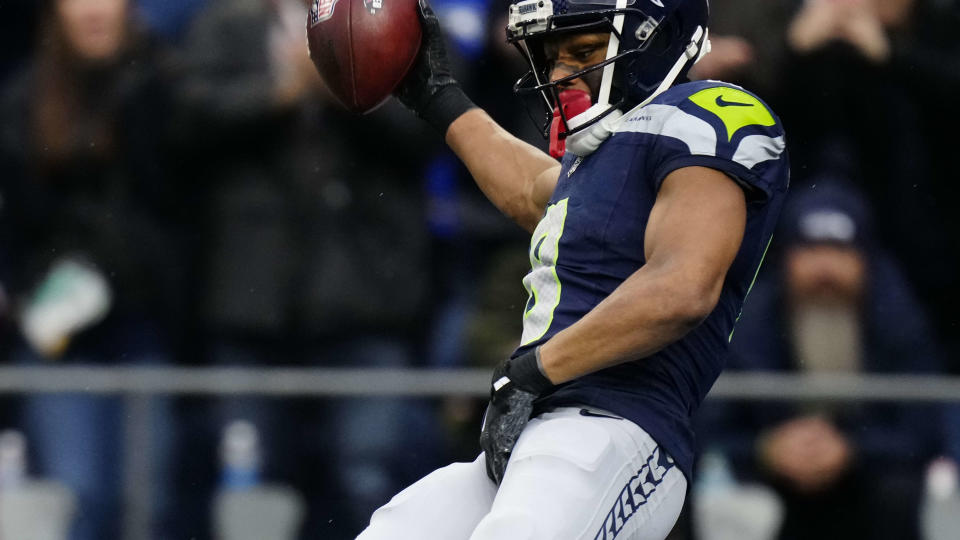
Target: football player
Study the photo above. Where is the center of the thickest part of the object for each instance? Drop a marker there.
(646, 239)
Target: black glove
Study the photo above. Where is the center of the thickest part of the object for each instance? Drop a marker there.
(515, 385)
(429, 89)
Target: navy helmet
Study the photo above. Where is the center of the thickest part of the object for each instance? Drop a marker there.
(653, 43)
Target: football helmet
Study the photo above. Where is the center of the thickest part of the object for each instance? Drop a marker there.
(653, 43)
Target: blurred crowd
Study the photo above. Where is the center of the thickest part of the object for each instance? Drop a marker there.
(177, 188)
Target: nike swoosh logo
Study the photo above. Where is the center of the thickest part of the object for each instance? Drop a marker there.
(657, 3)
(724, 103)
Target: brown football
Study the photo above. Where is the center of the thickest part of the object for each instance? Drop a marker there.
(363, 48)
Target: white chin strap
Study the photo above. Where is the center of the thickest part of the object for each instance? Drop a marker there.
(585, 142)
(693, 51)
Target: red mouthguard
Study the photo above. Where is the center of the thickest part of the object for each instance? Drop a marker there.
(573, 102)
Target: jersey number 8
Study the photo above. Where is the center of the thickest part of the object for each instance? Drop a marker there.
(542, 283)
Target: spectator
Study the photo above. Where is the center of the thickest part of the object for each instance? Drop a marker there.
(89, 238)
(841, 53)
(362, 300)
(828, 66)
(849, 60)
(475, 246)
(833, 302)
(313, 252)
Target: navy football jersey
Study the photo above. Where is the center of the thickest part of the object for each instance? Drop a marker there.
(591, 239)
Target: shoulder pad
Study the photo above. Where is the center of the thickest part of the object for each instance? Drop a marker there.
(734, 107)
(712, 118)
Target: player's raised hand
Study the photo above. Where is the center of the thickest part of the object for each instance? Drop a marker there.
(431, 71)
(515, 385)
(429, 89)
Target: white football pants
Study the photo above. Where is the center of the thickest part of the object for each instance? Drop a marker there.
(571, 477)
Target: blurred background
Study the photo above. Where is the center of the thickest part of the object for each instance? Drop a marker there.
(180, 200)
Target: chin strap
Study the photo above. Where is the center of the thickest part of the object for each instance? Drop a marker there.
(584, 143)
(693, 52)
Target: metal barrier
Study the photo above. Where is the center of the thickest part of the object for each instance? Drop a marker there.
(139, 384)
(333, 382)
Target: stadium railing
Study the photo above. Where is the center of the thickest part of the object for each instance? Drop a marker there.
(139, 384)
(336, 382)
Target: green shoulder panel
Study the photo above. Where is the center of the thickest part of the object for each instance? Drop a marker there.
(736, 108)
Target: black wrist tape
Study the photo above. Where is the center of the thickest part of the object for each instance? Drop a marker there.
(446, 106)
(525, 372)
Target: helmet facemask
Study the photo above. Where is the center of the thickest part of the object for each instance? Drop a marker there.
(648, 35)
